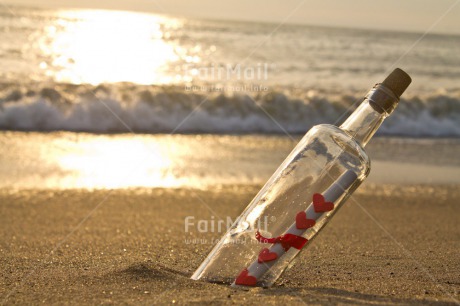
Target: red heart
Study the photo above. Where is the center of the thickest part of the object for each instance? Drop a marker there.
(245, 279)
(320, 204)
(301, 221)
(265, 255)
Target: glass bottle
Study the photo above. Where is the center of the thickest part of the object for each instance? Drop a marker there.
(307, 189)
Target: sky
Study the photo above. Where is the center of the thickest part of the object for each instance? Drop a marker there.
(401, 15)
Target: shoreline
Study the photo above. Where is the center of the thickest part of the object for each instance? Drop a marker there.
(73, 160)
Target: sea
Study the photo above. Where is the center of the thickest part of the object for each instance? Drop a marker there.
(83, 92)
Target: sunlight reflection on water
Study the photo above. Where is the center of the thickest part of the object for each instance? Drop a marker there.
(65, 160)
(108, 46)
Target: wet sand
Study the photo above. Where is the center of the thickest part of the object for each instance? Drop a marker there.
(133, 250)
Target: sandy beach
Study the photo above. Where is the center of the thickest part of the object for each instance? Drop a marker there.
(132, 249)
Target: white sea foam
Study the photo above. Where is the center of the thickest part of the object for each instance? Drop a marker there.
(163, 110)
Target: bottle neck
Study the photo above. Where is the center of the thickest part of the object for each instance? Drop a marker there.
(367, 118)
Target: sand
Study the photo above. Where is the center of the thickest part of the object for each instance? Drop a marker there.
(132, 249)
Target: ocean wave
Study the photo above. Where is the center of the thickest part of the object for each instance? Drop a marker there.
(153, 109)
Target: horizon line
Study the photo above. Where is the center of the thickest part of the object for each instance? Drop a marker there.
(7, 6)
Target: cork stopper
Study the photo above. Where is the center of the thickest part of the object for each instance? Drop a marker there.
(384, 97)
(397, 82)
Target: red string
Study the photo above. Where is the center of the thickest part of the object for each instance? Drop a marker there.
(287, 240)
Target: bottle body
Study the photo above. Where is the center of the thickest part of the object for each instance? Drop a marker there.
(326, 156)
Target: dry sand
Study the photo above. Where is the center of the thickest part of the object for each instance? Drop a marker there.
(132, 249)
